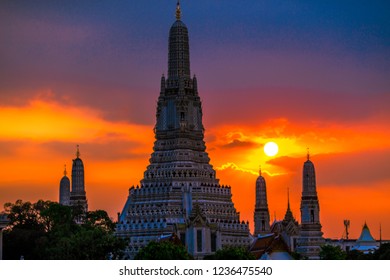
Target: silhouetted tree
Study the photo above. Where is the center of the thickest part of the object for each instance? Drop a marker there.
(357, 255)
(231, 253)
(383, 253)
(47, 230)
(164, 250)
(329, 252)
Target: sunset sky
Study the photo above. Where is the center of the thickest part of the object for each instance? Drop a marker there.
(299, 73)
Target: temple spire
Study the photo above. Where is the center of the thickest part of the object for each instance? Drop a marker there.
(261, 215)
(308, 154)
(310, 237)
(288, 198)
(259, 170)
(65, 170)
(178, 11)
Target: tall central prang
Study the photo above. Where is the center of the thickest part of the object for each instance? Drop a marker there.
(180, 195)
(179, 151)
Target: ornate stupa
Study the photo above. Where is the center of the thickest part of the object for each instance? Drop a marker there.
(310, 238)
(180, 193)
(261, 216)
(65, 189)
(78, 195)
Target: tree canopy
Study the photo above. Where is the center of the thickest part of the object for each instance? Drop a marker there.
(231, 253)
(329, 252)
(164, 250)
(47, 230)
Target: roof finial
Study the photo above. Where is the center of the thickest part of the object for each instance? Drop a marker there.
(65, 170)
(178, 11)
(259, 170)
(288, 198)
(308, 154)
(78, 152)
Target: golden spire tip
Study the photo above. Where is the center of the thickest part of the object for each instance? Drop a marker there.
(178, 11)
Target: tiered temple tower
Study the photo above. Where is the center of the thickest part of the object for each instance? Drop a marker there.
(261, 215)
(180, 193)
(78, 195)
(65, 189)
(310, 238)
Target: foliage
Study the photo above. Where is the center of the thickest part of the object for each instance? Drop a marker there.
(47, 230)
(231, 253)
(357, 255)
(383, 253)
(329, 252)
(164, 250)
(296, 256)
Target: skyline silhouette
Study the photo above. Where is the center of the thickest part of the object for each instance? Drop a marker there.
(301, 75)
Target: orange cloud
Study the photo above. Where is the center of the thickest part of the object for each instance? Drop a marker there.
(351, 162)
(50, 121)
(350, 159)
(40, 137)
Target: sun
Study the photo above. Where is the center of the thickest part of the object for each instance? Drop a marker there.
(271, 149)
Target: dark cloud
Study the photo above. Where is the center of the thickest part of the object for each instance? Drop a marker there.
(239, 144)
(94, 151)
(109, 150)
(257, 106)
(262, 59)
(9, 148)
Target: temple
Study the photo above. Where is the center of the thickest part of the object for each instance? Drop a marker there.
(310, 237)
(65, 189)
(75, 197)
(261, 216)
(180, 193)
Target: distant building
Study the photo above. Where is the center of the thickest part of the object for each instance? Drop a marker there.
(366, 243)
(310, 237)
(261, 215)
(288, 228)
(180, 193)
(65, 189)
(305, 238)
(3, 223)
(76, 196)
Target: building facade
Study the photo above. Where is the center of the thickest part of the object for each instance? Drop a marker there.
(180, 192)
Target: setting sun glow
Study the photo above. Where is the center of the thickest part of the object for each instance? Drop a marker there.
(271, 149)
